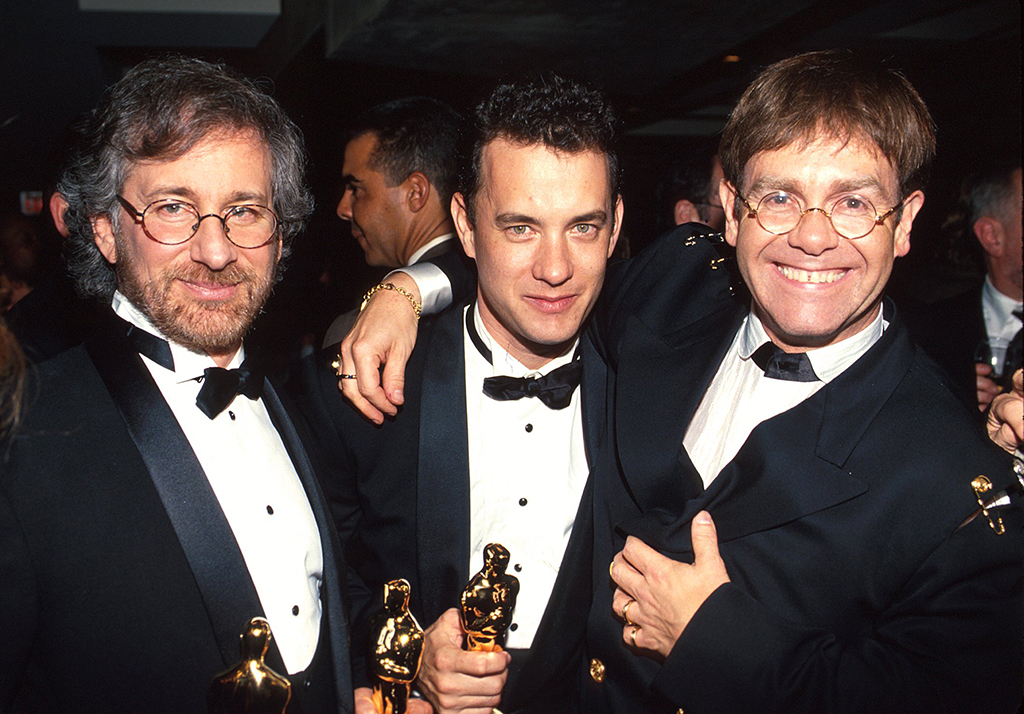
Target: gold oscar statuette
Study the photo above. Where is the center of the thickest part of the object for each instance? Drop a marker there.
(396, 647)
(250, 687)
(488, 601)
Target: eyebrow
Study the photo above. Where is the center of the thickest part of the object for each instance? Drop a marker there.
(192, 197)
(779, 183)
(348, 179)
(509, 219)
(597, 216)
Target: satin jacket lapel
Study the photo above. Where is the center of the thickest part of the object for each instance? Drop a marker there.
(332, 594)
(659, 385)
(593, 395)
(203, 531)
(795, 464)
(442, 490)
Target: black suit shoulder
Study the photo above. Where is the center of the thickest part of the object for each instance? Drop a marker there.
(686, 274)
(950, 331)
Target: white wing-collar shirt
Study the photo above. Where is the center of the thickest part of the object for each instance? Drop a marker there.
(259, 492)
(527, 470)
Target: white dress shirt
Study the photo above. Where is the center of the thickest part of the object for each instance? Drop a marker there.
(1001, 325)
(740, 397)
(259, 492)
(527, 470)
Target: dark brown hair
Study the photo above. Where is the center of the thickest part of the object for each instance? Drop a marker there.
(414, 134)
(833, 94)
(549, 110)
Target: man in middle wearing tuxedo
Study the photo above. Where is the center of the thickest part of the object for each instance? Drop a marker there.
(477, 457)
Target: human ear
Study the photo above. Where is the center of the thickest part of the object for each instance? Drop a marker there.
(103, 234)
(989, 233)
(462, 225)
(617, 227)
(727, 195)
(901, 235)
(686, 212)
(417, 191)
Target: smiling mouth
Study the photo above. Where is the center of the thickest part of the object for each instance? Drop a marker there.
(552, 304)
(810, 276)
(211, 291)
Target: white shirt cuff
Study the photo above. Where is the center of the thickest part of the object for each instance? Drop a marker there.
(434, 286)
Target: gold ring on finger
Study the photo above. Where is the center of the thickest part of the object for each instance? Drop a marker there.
(632, 635)
(625, 612)
(346, 376)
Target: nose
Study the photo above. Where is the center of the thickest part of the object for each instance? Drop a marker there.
(345, 206)
(210, 245)
(553, 261)
(814, 234)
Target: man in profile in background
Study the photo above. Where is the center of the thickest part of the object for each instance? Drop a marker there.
(399, 173)
(976, 335)
(692, 189)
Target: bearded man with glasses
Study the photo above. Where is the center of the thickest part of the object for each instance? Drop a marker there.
(158, 495)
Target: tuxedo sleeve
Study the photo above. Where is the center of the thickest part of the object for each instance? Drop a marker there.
(447, 279)
(737, 655)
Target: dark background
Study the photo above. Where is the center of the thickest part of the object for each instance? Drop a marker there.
(673, 68)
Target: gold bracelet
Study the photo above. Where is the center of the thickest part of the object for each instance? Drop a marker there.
(416, 307)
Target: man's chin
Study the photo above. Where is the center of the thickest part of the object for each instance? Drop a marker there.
(213, 327)
(213, 334)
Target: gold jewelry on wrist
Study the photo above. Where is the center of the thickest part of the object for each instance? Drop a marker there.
(416, 307)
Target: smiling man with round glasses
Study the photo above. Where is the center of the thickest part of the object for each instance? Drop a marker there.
(804, 551)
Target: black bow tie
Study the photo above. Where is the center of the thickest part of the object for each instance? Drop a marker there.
(554, 389)
(221, 386)
(788, 366)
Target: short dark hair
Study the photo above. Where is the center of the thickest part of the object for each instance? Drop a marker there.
(158, 111)
(990, 192)
(835, 94)
(689, 179)
(986, 191)
(550, 110)
(414, 134)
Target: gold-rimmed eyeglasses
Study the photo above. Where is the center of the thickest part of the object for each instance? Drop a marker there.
(851, 216)
(171, 221)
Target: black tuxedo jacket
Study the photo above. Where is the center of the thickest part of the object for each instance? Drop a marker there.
(950, 331)
(122, 588)
(400, 494)
(852, 589)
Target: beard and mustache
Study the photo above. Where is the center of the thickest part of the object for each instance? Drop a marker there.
(209, 326)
